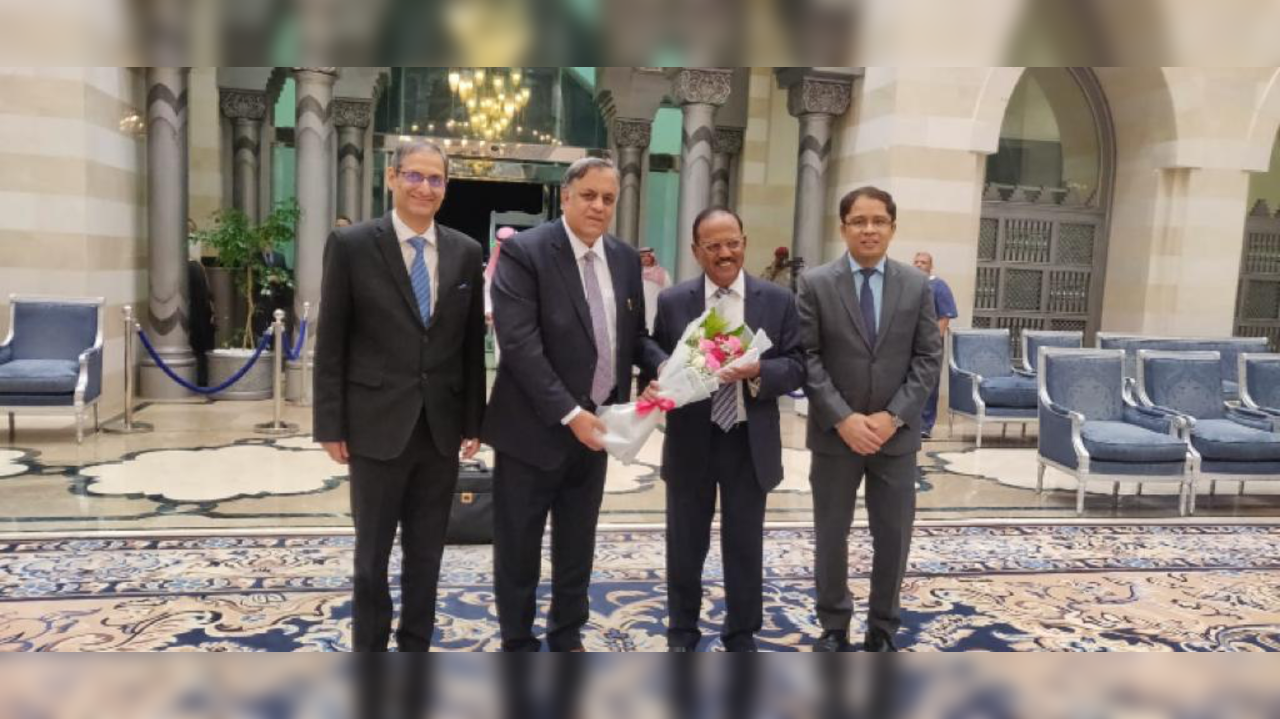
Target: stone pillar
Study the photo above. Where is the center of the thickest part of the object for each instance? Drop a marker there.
(312, 133)
(699, 91)
(726, 146)
(246, 110)
(816, 101)
(352, 118)
(165, 320)
(632, 139)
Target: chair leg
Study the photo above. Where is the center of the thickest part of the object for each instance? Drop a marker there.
(1004, 431)
(1115, 494)
(979, 438)
(79, 428)
(1240, 493)
(1040, 479)
(1182, 499)
(1079, 497)
(13, 429)
(1213, 488)
(950, 422)
(95, 419)
(1024, 430)
(1140, 489)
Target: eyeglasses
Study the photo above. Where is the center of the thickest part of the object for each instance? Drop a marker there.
(730, 245)
(879, 223)
(414, 178)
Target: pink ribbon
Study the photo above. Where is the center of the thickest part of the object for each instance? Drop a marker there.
(644, 406)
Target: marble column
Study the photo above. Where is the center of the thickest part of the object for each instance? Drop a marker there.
(632, 140)
(817, 102)
(314, 182)
(726, 146)
(166, 318)
(699, 91)
(352, 118)
(246, 109)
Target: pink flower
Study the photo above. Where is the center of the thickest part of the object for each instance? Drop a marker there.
(706, 345)
(717, 355)
(713, 364)
(734, 345)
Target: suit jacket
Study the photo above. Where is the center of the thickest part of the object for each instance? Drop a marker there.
(377, 366)
(685, 451)
(846, 374)
(543, 325)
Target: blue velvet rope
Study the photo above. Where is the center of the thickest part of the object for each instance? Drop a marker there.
(296, 351)
(262, 345)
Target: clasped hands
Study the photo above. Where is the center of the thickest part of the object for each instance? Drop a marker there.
(744, 372)
(866, 434)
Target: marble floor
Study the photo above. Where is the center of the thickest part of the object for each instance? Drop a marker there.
(204, 468)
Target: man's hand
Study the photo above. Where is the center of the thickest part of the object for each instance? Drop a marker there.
(882, 424)
(589, 430)
(488, 319)
(857, 431)
(337, 451)
(470, 447)
(650, 393)
(743, 372)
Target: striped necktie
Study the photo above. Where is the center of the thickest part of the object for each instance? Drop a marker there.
(420, 278)
(724, 403)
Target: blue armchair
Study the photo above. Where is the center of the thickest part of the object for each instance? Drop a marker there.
(1234, 443)
(51, 362)
(1033, 340)
(1091, 429)
(1259, 375)
(984, 385)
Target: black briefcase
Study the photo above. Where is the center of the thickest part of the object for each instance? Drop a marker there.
(471, 517)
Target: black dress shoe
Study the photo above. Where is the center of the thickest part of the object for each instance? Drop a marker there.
(680, 650)
(833, 640)
(878, 641)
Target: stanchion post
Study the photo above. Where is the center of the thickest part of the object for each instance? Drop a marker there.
(304, 392)
(127, 425)
(277, 425)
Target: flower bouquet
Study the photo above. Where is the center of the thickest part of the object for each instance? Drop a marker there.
(708, 346)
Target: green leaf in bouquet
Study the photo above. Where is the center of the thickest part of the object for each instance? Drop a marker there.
(715, 324)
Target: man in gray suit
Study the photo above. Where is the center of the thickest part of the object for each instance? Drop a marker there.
(399, 388)
(873, 354)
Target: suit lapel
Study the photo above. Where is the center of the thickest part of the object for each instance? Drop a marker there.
(389, 248)
(621, 295)
(572, 278)
(449, 271)
(847, 290)
(890, 295)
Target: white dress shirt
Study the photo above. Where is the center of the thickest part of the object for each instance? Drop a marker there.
(430, 252)
(733, 308)
(605, 279)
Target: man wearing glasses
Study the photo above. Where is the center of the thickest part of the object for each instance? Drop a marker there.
(399, 387)
(731, 442)
(873, 353)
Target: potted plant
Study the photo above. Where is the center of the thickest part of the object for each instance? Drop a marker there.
(240, 246)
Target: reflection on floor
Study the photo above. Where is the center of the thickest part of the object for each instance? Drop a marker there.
(204, 469)
(1031, 587)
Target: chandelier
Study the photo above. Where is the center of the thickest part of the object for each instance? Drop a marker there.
(493, 100)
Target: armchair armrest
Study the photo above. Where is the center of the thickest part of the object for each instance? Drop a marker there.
(1024, 373)
(963, 394)
(1169, 422)
(89, 383)
(1060, 438)
(1253, 418)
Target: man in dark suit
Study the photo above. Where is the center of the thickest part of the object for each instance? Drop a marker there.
(874, 352)
(273, 293)
(568, 309)
(399, 387)
(732, 440)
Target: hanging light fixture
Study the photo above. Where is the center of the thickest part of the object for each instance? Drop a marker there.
(491, 100)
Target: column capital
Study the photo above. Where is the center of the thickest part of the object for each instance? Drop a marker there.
(331, 72)
(352, 113)
(706, 85)
(728, 140)
(632, 133)
(812, 92)
(242, 104)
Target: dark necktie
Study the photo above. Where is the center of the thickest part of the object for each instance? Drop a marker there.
(867, 303)
(724, 403)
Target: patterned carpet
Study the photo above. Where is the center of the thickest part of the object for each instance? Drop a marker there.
(1075, 588)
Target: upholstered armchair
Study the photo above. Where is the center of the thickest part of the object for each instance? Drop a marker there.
(1260, 384)
(1092, 430)
(51, 361)
(985, 387)
(1033, 340)
(1234, 443)
(1229, 350)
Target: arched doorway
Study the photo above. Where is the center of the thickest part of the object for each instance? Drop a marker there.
(1258, 297)
(1043, 232)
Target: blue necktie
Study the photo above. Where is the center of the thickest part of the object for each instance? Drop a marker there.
(420, 278)
(867, 303)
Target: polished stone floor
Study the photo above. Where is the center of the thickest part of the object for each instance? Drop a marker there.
(204, 468)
